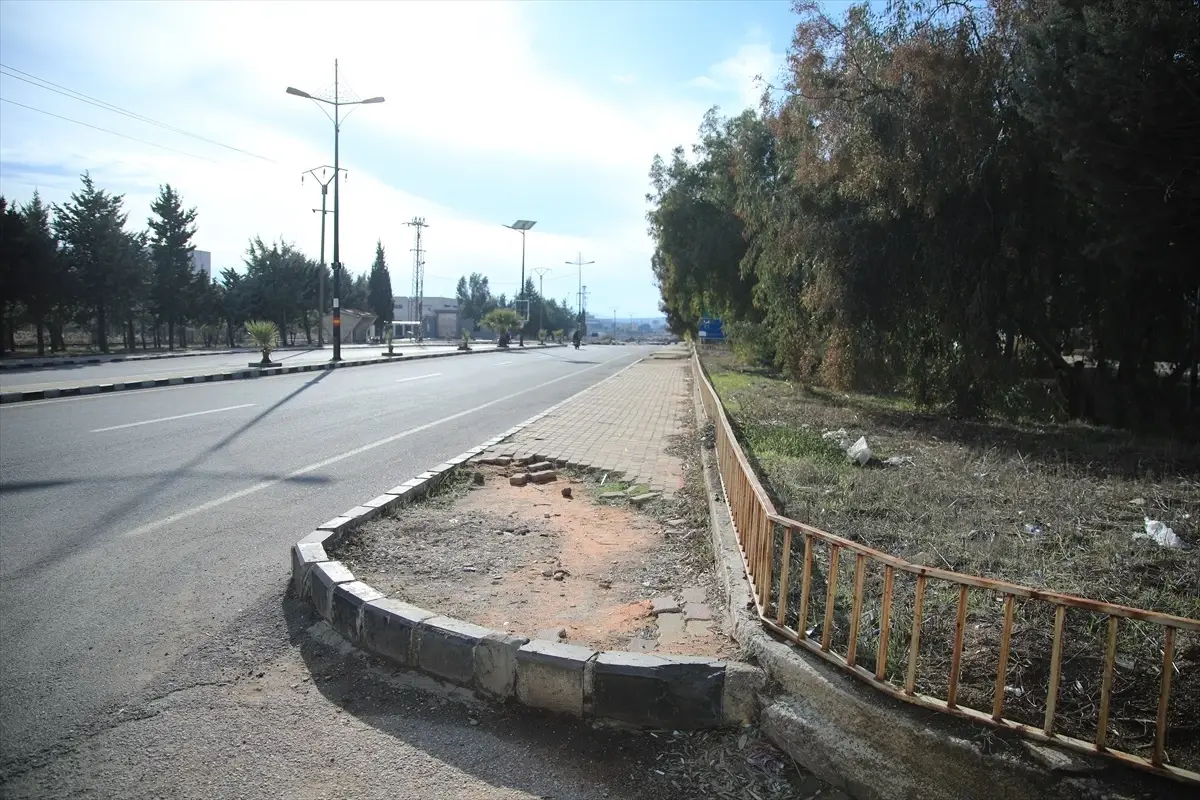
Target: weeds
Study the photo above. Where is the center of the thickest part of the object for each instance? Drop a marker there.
(1050, 507)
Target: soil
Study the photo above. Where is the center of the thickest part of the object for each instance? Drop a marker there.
(529, 561)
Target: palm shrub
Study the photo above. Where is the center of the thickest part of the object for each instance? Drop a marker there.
(503, 321)
(264, 334)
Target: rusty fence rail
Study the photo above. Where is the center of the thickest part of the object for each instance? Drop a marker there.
(769, 541)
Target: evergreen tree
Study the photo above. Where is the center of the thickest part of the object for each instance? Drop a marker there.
(379, 290)
(171, 230)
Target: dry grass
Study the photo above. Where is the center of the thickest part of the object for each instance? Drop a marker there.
(1051, 507)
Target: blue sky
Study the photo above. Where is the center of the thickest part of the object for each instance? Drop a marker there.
(550, 111)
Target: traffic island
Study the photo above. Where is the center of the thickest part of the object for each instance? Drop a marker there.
(668, 690)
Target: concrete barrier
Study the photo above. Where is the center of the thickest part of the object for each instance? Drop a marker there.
(553, 676)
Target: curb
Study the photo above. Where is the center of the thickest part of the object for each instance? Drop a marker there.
(634, 689)
(241, 374)
(866, 744)
(81, 360)
(49, 362)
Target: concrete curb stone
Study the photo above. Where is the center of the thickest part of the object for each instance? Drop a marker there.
(552, 676)
(348, 600)
(447, 648)
(322, 578)
(389, 629)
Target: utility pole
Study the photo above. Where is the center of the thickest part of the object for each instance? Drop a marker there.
(583, 293)
(416, 302)
(541, 273)
(323, 182)
(614, 324)
(580, 264)
(337, 102)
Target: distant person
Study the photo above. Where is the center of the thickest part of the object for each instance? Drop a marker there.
(575, 338)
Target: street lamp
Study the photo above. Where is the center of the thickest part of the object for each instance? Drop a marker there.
(337, 118)
(522, 225)
(541, 273)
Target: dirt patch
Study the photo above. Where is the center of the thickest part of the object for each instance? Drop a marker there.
(1044, 505)
(530, 561)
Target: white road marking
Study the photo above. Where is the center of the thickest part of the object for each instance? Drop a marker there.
(169, 419)
(418, 377)
(502, 363)
(258, 487)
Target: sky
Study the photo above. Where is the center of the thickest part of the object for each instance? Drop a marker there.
(493, 112)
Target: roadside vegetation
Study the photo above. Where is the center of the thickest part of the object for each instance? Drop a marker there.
(981, 207)
(1051, 506)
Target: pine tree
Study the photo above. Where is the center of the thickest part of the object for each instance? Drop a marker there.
(171, 230)
(91, 228)
(379, 290)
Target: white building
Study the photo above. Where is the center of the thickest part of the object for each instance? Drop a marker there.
(438, 315)
(202, 262)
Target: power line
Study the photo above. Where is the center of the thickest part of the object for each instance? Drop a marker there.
(42, 83)
(106, 130)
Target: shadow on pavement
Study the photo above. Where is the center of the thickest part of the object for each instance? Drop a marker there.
(158, 484)
(560, 751)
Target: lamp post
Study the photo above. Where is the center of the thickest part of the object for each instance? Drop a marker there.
(323, 182)
(522, 225)
(337, 102)
(541, 273)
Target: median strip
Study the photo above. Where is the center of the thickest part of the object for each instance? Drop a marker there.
(26, 396)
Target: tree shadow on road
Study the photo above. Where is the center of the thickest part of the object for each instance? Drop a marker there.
(162, 483)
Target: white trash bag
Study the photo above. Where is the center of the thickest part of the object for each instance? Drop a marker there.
(859, 451)
(1160, 534)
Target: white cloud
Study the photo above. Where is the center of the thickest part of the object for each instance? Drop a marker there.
(459, 78)
(740, 73)
(625, 79)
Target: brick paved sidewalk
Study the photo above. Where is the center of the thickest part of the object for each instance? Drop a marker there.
(622, 426)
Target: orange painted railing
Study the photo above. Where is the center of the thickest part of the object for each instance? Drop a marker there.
(766, 539)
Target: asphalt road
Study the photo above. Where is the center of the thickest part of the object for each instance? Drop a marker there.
(129, 371)
(143, 556)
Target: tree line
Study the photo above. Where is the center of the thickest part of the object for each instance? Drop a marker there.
(980, 205)
(81, 264)
(476, 301)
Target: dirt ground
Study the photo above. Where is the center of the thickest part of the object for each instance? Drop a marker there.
(530, 561)
(1043, 505)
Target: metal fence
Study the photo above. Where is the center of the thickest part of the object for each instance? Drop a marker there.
(768, 542)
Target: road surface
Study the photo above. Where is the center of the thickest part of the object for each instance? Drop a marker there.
(149, 648)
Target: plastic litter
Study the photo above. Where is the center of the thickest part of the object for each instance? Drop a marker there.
(839, 435)
(1034, 528)
(898, 461)
(859, 451)
(1160, 534)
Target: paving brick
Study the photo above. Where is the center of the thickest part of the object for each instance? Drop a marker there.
(622, 426)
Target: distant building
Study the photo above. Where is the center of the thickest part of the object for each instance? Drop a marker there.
(202, 262)
(438, 315)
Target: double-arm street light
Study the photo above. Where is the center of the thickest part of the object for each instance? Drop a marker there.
(522, 225)
(337, 102)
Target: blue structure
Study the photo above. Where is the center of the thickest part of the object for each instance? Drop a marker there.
(711, 330)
